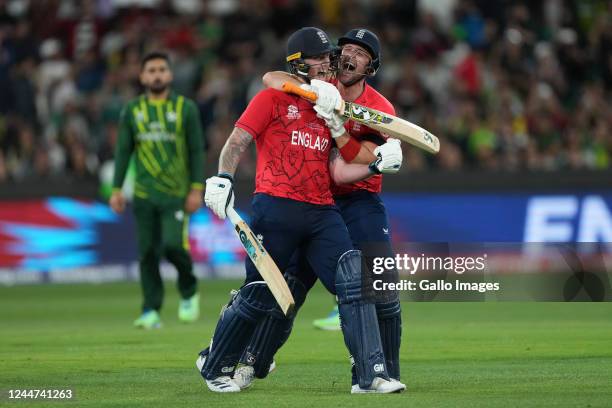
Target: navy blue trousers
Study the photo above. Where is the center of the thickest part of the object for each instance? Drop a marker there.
(288, 227)
(365, 217)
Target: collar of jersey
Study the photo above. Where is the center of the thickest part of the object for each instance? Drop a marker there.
(160, 101)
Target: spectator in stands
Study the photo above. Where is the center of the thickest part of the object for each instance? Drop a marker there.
(522, 85)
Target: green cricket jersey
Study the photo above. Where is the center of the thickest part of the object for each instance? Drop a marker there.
(166, 139)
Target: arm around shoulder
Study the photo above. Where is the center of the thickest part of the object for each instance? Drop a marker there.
(276, 79)
(346, 173)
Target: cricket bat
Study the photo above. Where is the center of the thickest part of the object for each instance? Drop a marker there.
(377, 120)
(263, 262)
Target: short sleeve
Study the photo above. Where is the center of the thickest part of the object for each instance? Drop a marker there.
(258, 114)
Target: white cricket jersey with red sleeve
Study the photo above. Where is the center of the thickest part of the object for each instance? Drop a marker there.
(293, 147)
(372, 99)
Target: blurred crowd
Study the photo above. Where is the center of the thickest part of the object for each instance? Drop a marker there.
(506, 85)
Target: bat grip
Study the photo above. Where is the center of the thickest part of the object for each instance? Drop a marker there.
(233, 215)
(290, 87)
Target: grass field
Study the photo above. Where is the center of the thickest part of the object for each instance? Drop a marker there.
(453, 354)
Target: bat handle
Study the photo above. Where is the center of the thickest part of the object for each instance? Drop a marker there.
(290, 87)
(233, 215)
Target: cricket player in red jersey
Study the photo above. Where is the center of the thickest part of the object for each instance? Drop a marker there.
(360, 207)
(294, 212)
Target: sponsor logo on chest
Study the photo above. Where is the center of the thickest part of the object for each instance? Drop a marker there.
(171, 116)
(156, 133)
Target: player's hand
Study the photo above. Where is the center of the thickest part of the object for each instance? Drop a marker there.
(219, 195)
(328, 97)
(389, 159)
(117, 201)
(334, 121)
(193, 201)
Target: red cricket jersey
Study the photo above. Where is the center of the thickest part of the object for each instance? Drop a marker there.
(372, 99)
(293, 147)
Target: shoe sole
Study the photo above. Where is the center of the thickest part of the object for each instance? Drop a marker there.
(144, 327)
(183, 320)
(328, 328)
(395, 390)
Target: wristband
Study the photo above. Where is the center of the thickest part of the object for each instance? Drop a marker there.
(226, 176)
(374, 166)
(350, 150)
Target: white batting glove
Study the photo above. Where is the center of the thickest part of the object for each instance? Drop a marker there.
(334, 121)
(307, 87)
(328, 96)
(219, 195)
(389, 159)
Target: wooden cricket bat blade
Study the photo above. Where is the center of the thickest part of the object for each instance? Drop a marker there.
(264, 263)
(392, 126)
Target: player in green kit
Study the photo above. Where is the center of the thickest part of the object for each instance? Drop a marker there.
(163, 131)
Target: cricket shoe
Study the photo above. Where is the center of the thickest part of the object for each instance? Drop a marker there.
(222, 384)
(219, 384)
(148, 320)
(379, 386)
(400, 383)
(245, 375)
(189, 309)
(331, 322)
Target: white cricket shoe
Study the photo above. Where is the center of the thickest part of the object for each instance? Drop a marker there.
(245, 375)
(400, 383)
(219, 384)
(379, 386)
(222, 384)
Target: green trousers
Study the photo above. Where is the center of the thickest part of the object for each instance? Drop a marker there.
(162, 230)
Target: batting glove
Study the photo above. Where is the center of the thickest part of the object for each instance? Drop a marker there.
(334, 121)
(328, 97)
(389, 159)
(219, 195)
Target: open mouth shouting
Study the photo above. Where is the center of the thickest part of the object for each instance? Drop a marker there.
(348, 65)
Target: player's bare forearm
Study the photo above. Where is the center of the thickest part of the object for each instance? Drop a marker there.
(235, 145)
(346, 173)
(366, 152)
(276, 79)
